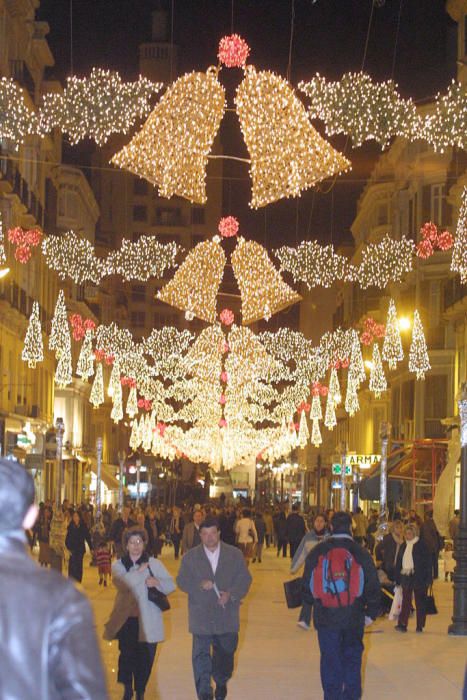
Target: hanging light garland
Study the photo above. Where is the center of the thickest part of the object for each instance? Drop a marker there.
(72, 256)
(97, 106)
(17, 121)
(364, 109)
(316, 265)
(392, 345)
(97, 391)
(33, 349)
(378, 383)
(419, 362)
(459, 253)
(85, 366)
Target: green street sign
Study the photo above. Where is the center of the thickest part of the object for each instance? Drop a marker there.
(337, 469)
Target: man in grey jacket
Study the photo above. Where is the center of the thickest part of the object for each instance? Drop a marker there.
(49, 646)
(216, 579)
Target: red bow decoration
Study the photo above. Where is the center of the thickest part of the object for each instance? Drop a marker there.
(24, 240)
(433, 239)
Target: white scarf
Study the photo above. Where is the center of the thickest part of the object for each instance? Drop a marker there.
(407, 559)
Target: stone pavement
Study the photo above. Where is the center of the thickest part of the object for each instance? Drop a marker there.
(276, 659)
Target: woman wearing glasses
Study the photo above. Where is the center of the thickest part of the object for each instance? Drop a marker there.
(136, 621)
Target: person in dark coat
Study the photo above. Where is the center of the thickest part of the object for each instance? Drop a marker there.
(76, 536)
(414, 574)
(387, 550)
(296, 529)
(340, 628)
(260, 526)
(227, 525)
(280, 528)
(430, 535)
(215, 576)
(117, 529)
(49, 645)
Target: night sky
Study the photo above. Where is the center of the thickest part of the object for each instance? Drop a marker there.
(329, 38)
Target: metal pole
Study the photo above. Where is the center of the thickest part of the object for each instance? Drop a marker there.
(99, 476)
(121, 461)
(60, 428)
(343, 499)
(138, 467)
(459, 614)
(384, 433)
(318, 483)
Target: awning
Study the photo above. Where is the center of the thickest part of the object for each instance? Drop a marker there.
(108, 472)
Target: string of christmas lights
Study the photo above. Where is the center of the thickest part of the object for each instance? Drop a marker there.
(317, 265)
(378, 382)
(459, 251)
(262, 288)
(195, 285)
(17, 121)
(392, 344)
(97, 106)
(364, 109)
(287, 153)
(72, 256)
(33, 349)
(171, 150)
(419, 362)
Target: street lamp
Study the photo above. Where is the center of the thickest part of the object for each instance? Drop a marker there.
(3, 272)
(459, 614)
(404, 323)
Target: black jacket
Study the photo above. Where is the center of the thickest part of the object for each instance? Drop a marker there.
(280, 526)
(386, 552)
(51, 651)
(76, 536)
(422, 561)
(348, 617)
(295, 527)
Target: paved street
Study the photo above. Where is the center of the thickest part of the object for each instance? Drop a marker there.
(276, 659)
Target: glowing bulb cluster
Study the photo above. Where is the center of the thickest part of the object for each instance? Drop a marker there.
(72, 256)
(287, 153)
(459, 252)
(171, 150)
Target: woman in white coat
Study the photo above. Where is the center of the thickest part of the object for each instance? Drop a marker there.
(135, 621)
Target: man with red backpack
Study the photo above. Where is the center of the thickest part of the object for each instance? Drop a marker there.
(341, 583)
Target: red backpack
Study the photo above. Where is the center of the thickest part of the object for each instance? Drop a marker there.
(338, 578)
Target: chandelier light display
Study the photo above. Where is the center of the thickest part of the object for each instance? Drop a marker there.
(97, 392)
(378, 383)
(85, 366)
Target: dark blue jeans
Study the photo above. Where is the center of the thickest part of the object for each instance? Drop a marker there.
(217, 664)
(341, 663)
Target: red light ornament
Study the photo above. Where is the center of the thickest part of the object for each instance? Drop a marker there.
(228, 226)
(233, 51)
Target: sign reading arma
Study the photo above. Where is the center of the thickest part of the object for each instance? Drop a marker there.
(363, 461)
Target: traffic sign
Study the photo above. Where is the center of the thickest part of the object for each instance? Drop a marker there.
(337, 470)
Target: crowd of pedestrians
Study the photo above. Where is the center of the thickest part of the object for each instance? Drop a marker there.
(350, 576)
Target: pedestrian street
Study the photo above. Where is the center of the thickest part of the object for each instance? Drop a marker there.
(276, 659)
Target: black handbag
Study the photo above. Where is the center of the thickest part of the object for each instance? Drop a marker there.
(293, 592)
(430, 604)
(157, 597)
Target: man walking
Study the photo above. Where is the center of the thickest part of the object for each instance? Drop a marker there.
(216, 579)
(341, 583)
(296, 529)
(49, 646)
(191, 532)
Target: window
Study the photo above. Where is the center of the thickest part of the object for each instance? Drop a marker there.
(68, 203)
(382, 218)
(195, 239)
(140, 187)
(166, 318)
(138, 319)
(413, 217)
(436, 204)
(140, 213)
(198, 215)
(138, 293)
(168, 216)
(465, 35)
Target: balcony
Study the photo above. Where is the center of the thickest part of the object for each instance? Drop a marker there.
(455, 298)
